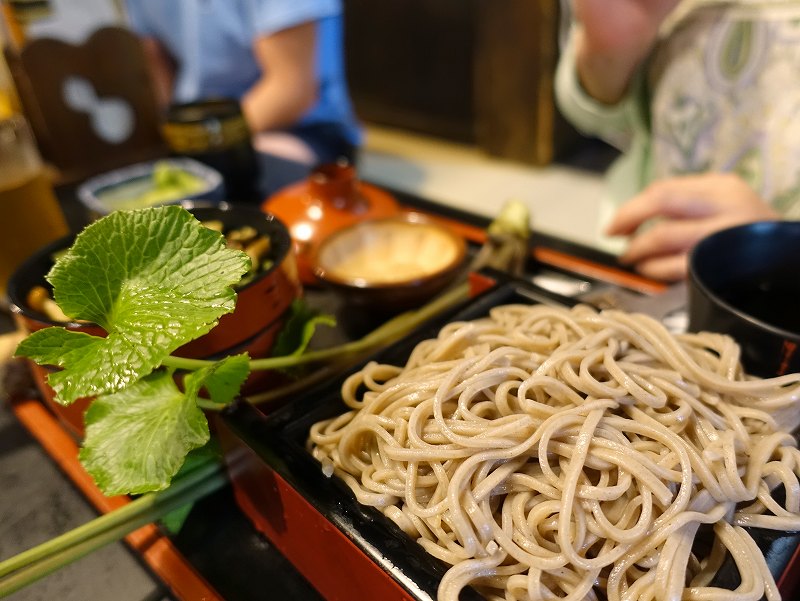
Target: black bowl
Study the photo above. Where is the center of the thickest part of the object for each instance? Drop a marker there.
(745, 282)
(261, 303)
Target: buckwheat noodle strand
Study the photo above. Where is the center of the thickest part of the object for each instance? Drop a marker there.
(570, 454)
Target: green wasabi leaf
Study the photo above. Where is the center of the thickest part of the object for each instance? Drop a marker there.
(167, 281)
(222, 380)
(56, 346)
(137, 439)
(175, 519)
(208, 454)
(78, 353)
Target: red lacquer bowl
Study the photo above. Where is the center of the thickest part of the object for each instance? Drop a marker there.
(262, 305)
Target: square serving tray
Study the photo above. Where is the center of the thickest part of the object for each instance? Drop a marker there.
(344, 549)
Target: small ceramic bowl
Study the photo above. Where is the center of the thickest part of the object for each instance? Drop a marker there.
(262, 305)
(391, 263)
(332, 197)
(136, 187)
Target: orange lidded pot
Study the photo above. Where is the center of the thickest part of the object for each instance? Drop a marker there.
(329, 199)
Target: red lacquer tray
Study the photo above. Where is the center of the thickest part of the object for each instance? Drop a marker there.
(189, 563)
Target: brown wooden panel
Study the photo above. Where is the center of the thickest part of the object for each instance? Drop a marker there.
(410, 64)
(515, 59)
(465, 70)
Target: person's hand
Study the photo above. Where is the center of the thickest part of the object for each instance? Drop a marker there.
(686, 210)
(614, 38)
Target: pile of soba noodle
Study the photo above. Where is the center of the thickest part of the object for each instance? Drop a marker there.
(549, 453)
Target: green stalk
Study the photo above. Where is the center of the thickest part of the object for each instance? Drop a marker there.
(388, 332)
(33, 564)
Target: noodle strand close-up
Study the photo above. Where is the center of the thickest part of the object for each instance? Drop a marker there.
(574, 454)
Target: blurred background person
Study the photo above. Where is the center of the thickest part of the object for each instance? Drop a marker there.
(281, 59)
(702, 97)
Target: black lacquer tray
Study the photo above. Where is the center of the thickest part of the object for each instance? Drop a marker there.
(278, 440)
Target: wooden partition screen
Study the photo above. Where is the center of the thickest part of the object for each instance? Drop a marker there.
(473, 71)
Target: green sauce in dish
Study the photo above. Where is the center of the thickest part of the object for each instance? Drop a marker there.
(166, 184)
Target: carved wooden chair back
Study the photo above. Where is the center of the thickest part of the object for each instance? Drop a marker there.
(91, 106)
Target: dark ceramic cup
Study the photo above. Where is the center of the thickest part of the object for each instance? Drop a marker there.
(214, 132)
(745, 282)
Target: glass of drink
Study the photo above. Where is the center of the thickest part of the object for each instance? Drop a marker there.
(30, 215)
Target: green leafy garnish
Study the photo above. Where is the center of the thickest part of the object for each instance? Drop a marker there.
(167, 281)
(222, 380)
(202, 458)
(155, 279)
(137, 439)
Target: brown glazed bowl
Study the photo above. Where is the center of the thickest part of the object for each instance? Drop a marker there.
(392, 263)
(745, 282)
(262, 304)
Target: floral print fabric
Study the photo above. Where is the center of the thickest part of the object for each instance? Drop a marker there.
(725, 96)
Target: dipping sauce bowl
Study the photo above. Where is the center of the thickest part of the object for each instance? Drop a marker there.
(391, 263)
(745, 282)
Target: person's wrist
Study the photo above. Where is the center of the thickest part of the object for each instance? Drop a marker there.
(605, 78)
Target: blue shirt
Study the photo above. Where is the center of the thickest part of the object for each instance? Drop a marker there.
(213, 42)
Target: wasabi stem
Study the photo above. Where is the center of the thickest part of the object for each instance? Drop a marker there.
(388, 332)
(507, 240)
(36, 563)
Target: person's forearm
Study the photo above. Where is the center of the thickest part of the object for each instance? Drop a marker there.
(288, 86)
(613, 38)
(272, 104)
